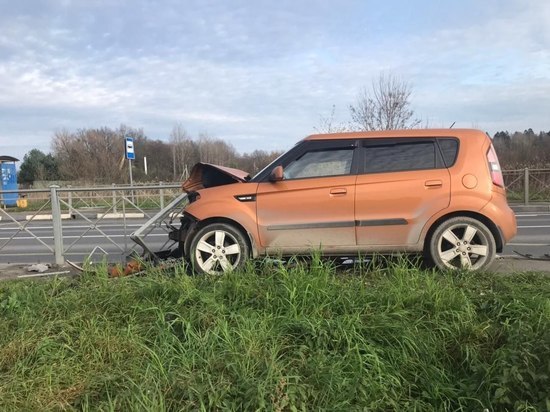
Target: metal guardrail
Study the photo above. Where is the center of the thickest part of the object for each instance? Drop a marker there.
(527, 185)
(91, 207)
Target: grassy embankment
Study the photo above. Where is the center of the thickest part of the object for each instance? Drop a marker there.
(300, 338)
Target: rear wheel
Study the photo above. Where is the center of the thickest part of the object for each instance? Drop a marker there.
(462, 243)
(218, 248)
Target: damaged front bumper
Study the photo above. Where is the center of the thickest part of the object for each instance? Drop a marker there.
(167, 215)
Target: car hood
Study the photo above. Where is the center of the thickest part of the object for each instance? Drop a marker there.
(205, 175)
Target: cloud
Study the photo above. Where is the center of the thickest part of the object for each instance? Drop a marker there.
(260, 74)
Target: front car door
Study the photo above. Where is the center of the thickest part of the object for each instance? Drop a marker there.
(313, 206)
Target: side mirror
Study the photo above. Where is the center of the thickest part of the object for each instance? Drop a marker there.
(276, 174)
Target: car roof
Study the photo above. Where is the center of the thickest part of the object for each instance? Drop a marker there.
(398, 133)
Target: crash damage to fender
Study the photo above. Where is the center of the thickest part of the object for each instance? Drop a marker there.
(204, 176)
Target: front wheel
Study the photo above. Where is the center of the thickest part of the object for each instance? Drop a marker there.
(462, 243)
(218, 248)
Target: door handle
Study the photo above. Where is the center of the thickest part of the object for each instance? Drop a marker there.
(339, 191)
(433, 183)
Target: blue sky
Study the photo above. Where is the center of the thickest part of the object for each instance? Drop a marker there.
(260, 74)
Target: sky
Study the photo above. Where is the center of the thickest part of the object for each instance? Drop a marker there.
(261, 74)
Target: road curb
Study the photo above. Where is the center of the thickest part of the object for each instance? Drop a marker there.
(530, 208)
(47, 217)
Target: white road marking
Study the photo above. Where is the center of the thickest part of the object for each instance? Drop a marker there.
(533, 227)
(527, 244)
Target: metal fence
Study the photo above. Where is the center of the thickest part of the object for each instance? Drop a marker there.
(75, 223)
(527, 185)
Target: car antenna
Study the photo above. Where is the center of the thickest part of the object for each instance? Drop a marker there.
(452, 125)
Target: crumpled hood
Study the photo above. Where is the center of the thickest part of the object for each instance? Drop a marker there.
(205, 175)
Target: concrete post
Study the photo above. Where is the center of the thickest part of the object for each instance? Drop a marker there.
(526, 187)
(70, 201)
(161, 194)
(57, 226)
(114, 198)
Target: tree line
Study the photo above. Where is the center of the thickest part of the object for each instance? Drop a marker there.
(519, 150)
(96, 156)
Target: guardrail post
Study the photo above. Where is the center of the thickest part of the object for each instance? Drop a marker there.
(57, 226)
(526, 187)
(114, 198)
(161, 194)
(70, 201)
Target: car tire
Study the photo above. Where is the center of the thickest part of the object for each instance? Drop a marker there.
(218, 248)
(462, 243)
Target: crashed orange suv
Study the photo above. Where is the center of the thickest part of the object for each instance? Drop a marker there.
(439, 192)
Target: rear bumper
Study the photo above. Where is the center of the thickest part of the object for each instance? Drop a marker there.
(502, 216)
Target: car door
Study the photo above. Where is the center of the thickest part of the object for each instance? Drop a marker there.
(313, 206)
(403, 182)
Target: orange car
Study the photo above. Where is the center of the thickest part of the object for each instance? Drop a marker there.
(436, 191)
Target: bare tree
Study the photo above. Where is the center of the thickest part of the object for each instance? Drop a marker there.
(216, 151)
(329, 124)
(92, 155)
(385, 107)
(185, 152)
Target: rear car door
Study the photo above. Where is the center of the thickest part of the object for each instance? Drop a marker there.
(313, 206)
(402, 183)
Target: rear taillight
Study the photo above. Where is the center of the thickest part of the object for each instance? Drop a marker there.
(494, 167)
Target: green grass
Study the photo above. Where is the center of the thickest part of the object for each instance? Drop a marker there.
(303, 337)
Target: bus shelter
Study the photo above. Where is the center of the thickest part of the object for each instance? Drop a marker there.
(9, 181)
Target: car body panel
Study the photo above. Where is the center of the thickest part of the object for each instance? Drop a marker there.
(392, 208)
(221, 203)
(205, 175)
(311, 213)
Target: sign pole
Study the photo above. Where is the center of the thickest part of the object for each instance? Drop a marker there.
(131, 180)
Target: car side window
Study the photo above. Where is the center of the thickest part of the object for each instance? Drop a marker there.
(449, 150)
(395, 157)
(317, 163)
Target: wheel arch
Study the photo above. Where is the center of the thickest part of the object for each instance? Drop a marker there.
(497, 235)
(202, 223)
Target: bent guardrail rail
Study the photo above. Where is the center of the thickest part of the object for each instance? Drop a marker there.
(93, 208)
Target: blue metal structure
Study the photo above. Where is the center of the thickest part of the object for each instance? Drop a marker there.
(9, 181)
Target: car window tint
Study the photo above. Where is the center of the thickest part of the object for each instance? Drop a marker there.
(320, 163)
(400, 157)
(449, 150)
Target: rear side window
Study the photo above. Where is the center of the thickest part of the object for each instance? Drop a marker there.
(449, 150)
(400, 157)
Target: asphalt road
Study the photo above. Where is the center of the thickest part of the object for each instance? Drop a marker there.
(80, 240)
(35, 245)
(533, 235)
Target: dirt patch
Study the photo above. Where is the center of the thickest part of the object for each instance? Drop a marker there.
(507, 265)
